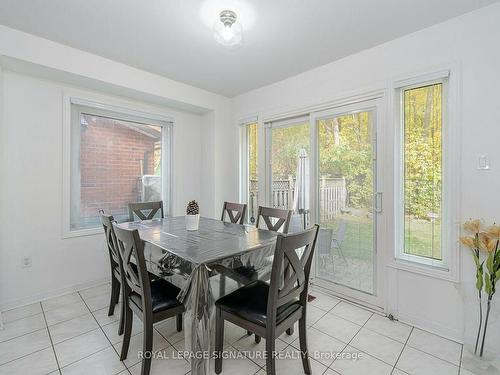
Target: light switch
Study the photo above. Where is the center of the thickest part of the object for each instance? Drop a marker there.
(483, 163)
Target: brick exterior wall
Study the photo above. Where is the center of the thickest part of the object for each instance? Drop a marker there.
(111, 154)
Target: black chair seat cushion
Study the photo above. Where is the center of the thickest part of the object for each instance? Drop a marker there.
(250, 303)
(163, 296)
(247, 272)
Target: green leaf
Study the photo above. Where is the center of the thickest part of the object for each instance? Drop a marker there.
(476, 260)
(479, 281)
(490, 263)
(487, 284)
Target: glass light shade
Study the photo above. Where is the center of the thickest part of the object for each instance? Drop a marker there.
(228, 35)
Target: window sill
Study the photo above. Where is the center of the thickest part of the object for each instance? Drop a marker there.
(437, 272)
(81, 232)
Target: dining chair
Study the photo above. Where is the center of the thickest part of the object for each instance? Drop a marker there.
(145, 210)
(268, 310)
(114, 260)
(151, 300)
(280, 217)
(329, 242)
(244, 274)
(235, 211)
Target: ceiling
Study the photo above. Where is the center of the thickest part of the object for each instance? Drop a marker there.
(173, 38)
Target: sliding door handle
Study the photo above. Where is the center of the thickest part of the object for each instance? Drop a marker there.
(378, 202)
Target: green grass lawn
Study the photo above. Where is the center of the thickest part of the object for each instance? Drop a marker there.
(359, 237)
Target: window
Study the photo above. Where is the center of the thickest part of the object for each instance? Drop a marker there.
(115, 158)
(424, 215)
(252, 179)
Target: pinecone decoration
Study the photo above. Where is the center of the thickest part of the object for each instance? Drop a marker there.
(192, 208)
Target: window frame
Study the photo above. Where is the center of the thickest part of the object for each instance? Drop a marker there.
(448, 267)
(284, 123)
(121, 110)
(244, 160)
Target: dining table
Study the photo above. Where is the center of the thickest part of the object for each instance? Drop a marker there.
(190, 259)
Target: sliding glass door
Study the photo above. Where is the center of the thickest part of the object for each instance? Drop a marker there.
(347, 201)
(324, 167)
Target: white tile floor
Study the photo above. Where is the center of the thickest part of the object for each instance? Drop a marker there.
(72, 334)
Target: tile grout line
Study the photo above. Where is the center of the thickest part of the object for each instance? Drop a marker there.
(402, 350)
(25, 355)
(17, 319)
(127, 368)
(87, 356)
(165, 338)
(98, 351)
(287, 344)
(50, 338)
(357, 332)
(24, 334)
(170, 343)
(104, 333)
(432, 355)
(460, 362)
(405, 343)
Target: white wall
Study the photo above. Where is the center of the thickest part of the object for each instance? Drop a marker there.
(26, 53)
(472, 42)
(31, 192)
(35, 71)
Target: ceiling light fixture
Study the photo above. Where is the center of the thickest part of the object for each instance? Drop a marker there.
(227, 31)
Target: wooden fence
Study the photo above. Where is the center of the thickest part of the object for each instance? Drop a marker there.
(332, 196)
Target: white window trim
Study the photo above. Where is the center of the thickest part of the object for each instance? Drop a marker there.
(448, 269)
(243, 151)
(243, 162)
(127, 109)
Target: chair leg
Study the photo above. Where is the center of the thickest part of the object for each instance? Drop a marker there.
(257, 339)
(127, 332)
(115, 295)
(147, 346)
(122, 320)
(270, 359)
(219, 340)
(289, 331)
(303, 345)
(179, 322)
(249, 333)
(222, 286)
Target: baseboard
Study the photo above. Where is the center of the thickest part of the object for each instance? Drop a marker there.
(46, 295)
(432, 327)
(342, 297)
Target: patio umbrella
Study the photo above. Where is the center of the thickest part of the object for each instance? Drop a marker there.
(301, 196)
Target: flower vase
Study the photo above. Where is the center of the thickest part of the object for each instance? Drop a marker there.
(489, 363)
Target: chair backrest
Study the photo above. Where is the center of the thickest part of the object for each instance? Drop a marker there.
(340, 235)
(231, 208)
(324, 242)
(290, 271)
(134, 279)
(145, 210)
(109, 233)
(268, 213)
